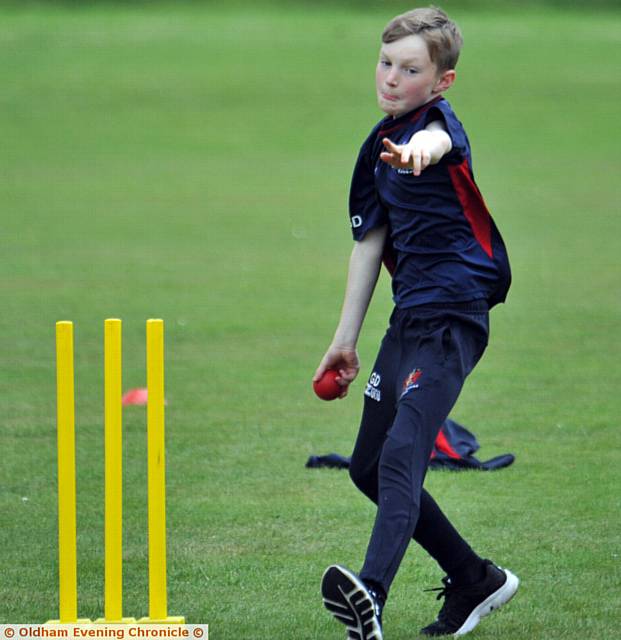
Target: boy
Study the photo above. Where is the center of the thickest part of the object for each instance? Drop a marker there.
(414, 202)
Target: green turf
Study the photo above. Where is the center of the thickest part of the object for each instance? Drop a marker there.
(193, 164)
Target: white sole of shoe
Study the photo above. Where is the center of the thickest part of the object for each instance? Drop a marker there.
(491, 603)
(346, 598)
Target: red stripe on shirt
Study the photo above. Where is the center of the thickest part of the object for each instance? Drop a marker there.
(473, 205)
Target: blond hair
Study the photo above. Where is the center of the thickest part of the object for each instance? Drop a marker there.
(440, 33)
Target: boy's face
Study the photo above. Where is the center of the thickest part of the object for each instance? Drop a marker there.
(406, 78)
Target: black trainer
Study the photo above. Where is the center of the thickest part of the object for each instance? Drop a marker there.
(353, 603)
(464, 606)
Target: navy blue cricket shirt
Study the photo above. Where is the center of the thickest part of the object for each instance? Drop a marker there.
(443, 245)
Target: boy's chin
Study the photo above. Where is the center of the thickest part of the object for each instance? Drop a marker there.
(393, 113)
(393, 110)
(388, 110)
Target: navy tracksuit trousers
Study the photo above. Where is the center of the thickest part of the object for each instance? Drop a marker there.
(422, 364)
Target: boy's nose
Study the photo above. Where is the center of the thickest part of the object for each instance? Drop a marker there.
(392, 77)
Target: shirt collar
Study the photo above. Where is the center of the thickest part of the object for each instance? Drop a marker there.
(390, 124)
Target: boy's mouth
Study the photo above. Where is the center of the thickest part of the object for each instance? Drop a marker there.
(389, 97)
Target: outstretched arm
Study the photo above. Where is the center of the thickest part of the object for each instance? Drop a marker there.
(364, 268)
(424, 148)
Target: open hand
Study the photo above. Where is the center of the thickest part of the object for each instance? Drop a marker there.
(415, 155)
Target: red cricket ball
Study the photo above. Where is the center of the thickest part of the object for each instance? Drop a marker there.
(327, 388)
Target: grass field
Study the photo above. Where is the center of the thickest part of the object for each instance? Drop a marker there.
(193, 163)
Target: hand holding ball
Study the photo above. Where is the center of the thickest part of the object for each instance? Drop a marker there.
(327, 388)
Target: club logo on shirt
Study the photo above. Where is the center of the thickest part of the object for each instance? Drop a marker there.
(372, 391)
(405, 172)
(411, 382)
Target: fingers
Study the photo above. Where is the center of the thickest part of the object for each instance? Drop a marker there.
(390, 145)
(346, 376)
(392, 155)
(417, 162)
(420, 161)
(344, 360)
(324, 365)
(405, 156)
(406, 153)
(393, 160)
(414, 155)
(426, 159)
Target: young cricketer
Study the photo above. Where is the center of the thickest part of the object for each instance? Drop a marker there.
(415, 204)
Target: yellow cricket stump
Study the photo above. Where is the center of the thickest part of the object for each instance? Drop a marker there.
(156, 471)
(113, 446)
(67, 542)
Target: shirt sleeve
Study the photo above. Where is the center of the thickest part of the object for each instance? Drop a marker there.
(443, 112)
(365, 210)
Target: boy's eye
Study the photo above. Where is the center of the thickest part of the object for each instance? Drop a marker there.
(412, 71)
(385, 63)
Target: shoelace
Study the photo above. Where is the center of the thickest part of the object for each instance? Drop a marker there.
(451, 594)
(444, 591)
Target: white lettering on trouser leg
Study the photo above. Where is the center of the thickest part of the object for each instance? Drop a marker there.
(372, 389)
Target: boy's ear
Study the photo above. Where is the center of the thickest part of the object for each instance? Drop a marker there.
(445, 81)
